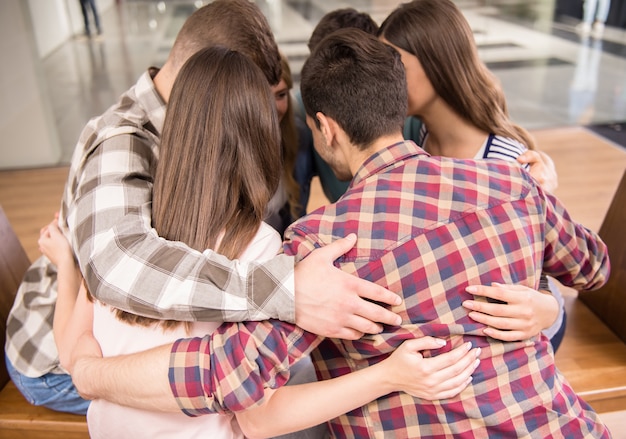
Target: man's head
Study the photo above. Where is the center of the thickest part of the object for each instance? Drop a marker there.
(341, 19)
(236, 24)
(359, 82)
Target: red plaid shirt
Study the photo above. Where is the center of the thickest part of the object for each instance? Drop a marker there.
(427, 227)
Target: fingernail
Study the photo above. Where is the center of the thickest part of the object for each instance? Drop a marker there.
(440, 342)
(468, 345)
(471, 289)
(478, 350)
(476, 363)
(468, 304)
(398, 321)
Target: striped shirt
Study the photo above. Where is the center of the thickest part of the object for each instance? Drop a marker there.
(428, 227)
(106, 214)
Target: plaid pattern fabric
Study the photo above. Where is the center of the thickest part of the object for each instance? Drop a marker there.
(106, 208)
(427, 228)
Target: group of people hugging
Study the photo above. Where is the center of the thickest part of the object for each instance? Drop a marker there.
(185, 289)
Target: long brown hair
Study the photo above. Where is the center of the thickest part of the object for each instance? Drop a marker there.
(217, 168)
(290, 144)
(437, 33)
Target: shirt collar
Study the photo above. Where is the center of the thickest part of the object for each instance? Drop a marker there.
(392, 155)
(151, 100)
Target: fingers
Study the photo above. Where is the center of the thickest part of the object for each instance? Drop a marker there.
(332, 303)
(448, 374)
(373, 311)
(529, 156)
(495, 291)
(336, 248)
(504, 335)
(423, 343)
(461, 376)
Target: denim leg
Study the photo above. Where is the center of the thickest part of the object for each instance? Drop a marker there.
(83, 8)
(96, 17)
(603, 10)
(590, 10)
(54, 391)
(557, 338)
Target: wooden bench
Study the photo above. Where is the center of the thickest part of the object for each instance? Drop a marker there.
(18, 418)
(593, 353)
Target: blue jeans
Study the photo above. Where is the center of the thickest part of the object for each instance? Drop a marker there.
(54, 391)
(597, 10)
(85, 5)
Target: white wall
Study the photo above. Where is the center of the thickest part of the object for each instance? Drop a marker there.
(30, 30)
(54, 21)
(28, 136)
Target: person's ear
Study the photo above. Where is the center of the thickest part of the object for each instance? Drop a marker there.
(327, 128)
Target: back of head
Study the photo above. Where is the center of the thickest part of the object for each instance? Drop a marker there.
(237, 24)
(437, 33)
(359, 82)
(341, 19)
(220, 157)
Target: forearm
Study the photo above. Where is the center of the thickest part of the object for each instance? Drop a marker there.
(251, 356)
(137, 380)
(574, 255)
(68, 285)
(293, 408)
(173, 281)
(74, 324)
(169, 280)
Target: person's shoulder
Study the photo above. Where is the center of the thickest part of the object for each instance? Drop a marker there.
(265, 244)
(504, 148)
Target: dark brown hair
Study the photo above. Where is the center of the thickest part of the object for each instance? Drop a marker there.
(437, 33)
(220, 159)
(359, 82)
(341, 19)
(237, 24)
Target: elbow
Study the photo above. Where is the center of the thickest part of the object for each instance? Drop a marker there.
(254, 428)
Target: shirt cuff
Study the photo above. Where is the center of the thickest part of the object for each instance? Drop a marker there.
(186, 376)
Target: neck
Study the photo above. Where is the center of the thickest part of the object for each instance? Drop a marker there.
(449, 135)
(358, 156)
(164, 81)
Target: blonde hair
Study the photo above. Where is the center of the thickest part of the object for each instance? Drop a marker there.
(289, 134)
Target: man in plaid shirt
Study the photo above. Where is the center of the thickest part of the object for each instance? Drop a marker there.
(427, 228)
(106, 216)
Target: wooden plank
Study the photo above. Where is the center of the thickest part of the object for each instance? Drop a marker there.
(592, 358)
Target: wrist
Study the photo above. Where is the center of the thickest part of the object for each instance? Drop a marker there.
(383, 377)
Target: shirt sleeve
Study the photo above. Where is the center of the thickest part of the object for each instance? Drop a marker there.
(230, 369)
(574, 255)
(128, 266)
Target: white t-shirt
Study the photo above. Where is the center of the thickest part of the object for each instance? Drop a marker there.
(108, 420)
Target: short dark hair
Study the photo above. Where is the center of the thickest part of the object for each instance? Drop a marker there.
(341, 19)
(359, 82)
(237, 24)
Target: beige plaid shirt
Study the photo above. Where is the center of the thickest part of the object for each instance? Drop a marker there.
(106, 214)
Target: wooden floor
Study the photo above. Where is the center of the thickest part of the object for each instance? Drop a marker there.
(588, 166)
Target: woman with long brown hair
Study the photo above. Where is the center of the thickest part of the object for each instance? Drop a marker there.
(464, 115)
